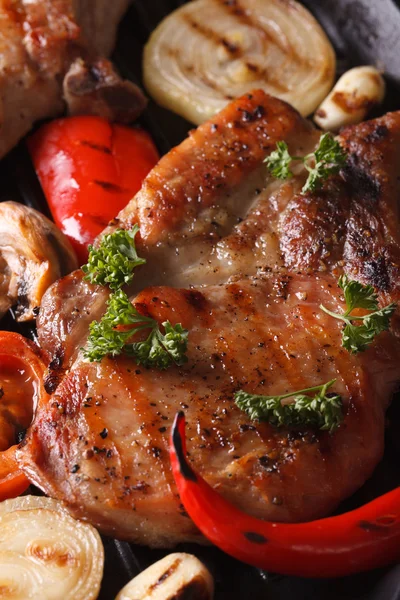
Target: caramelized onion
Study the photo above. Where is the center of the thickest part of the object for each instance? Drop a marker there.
(45, 553)
(210, 51)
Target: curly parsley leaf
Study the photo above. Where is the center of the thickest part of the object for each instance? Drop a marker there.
(109, 335)
(327, 159)
(161, 350)
(358, 295)
(112, 336)
(319, 410)
(357, 337)
(113, 262)
(279, 160)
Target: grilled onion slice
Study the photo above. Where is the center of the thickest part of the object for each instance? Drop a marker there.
(46, 554)
(210, 51)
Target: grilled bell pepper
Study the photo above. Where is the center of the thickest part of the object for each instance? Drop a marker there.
(21, 376)
(89, 169)
(359, 540)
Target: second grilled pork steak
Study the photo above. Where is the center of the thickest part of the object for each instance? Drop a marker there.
(101, 441)
(39, 40)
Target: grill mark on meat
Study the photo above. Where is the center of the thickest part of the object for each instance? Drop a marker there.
(313, 227)
(377, 272)
(279, 357)
(143, 308)
(195, 299)
(149, 426)
(364, 187)
(254, 115)
(107, 456)
(367, 253)
(378, 134)
(226, 169)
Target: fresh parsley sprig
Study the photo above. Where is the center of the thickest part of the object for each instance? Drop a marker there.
(357, 338)
(113, 262)
(279, 160)
(113, 334)
(327, 159)
(311, 407)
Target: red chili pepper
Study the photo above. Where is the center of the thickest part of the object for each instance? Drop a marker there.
(362, 539)
(89, 169)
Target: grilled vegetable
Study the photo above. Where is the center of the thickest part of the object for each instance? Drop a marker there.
(360, 540)
(21, 384)
(354, 95)
(46, 554)
(89, 170)
(177, 575)
(207, 53)
(33, 254)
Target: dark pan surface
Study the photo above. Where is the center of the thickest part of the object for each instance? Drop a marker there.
(363, 32)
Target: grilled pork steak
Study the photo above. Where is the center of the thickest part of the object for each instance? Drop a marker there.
(261, 257)
(39, 42)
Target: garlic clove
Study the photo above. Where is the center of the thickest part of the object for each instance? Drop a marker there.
(354, 95)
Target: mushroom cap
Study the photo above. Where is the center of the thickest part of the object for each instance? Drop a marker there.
(33, 254)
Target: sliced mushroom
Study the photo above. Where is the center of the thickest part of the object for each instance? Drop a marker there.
(33, 254)
(176, 576)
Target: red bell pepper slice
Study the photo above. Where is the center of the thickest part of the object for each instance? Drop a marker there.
(359, 540)
(89, 169)
(21, 377)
